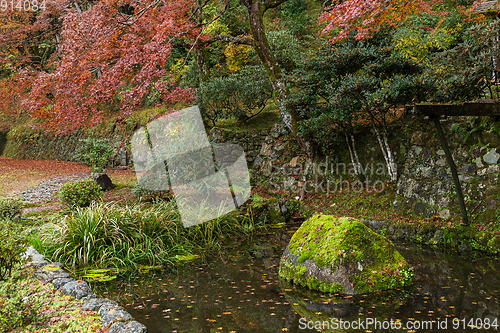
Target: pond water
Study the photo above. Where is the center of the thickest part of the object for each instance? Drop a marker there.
(240, 292)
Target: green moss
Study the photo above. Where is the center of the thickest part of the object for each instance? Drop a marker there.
(314, 283)
(274, 211)
(51, 268)
(29, 305)
(334, 242)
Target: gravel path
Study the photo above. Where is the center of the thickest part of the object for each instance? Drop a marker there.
(46, 190)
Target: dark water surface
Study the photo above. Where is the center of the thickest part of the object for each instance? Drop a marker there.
(240, 292)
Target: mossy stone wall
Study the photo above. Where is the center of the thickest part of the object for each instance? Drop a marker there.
(23, 142)
(424, 184)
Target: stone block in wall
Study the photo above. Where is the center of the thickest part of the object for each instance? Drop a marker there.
(492, 157)
(59, 282)
(77, 289)
(130, 327)
(266, 149)
(419, 138)
(267, 168)
(50, 272)
(111, 313)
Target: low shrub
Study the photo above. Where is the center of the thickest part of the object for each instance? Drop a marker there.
(13, 240)
(10, 208)
(96, 153)
(80, 193)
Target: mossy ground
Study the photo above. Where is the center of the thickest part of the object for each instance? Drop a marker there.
(483, 233)
(28, 305)
(334, 242)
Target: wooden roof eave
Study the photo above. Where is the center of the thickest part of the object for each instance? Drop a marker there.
(491, 7)
(465, 109)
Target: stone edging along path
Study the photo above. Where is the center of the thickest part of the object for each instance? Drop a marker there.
(112, 315)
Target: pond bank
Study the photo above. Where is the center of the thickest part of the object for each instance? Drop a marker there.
(112, 315)
(461, 237)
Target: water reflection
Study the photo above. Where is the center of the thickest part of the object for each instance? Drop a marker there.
(241, 292)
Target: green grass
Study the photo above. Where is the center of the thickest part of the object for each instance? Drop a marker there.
(110, 235)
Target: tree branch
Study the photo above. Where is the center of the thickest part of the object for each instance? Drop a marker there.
(230, 39)
(139, 14)
(203, 30)
(272, 3)
(328, 6)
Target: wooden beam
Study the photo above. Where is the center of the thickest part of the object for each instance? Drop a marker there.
(465, 109)
(453, 168)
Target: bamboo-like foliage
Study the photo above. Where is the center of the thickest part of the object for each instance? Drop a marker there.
(107, 235)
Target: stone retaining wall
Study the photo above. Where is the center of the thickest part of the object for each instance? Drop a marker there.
(26, 143)
(458, 237)
(112, 315)
(251, 142)
(424, 184)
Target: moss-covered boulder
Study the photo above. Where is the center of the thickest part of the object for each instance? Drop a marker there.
(333, 254)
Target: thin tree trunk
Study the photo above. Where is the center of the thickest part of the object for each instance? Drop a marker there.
(358, 163)
(382, 148)
(290, 117)
(390, 156)
(199, 52)
(351, 154)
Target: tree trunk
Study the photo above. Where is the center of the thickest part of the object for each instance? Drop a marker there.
(390, 157)
(351, 154)
(386, 151)
(358, 163)
(291, 117)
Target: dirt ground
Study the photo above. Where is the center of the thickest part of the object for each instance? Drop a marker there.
(18, 175)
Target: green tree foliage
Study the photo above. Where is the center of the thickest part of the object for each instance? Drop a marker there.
(469, 69)
(241, 95)
(355, 83)
(422, 35)
(349, 84)
(287, 48)
(297, 16)
(95, 153)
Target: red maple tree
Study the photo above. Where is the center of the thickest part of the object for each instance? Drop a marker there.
(105, 58)
(109, 55)
(365, 17)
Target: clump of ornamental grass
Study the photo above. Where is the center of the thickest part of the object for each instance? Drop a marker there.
(107, 235)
